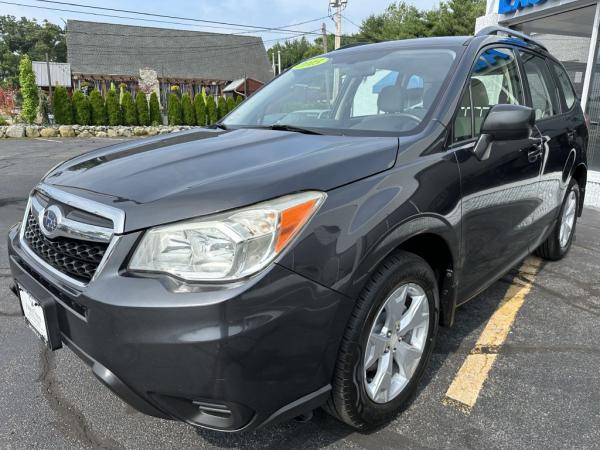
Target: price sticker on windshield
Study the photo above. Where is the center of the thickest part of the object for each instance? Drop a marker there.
(310, 63)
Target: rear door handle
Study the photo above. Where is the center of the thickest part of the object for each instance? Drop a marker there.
(572, 134)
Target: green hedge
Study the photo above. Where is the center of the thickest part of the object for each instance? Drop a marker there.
(155, 118)
(113, 108)
(189, 116)
(29, 90)
(129, 110)
(141, 104)
(211, 110)
(175, 113)
(200, 109)
(81, 109)
(63, 109)
(99, 116)
(221, 108)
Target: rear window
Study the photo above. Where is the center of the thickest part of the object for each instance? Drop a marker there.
(565, 85)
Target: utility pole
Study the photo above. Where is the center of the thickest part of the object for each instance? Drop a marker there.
(324, 33)
(339, 6)
(279, 61)
(49, 78)
(273, 62)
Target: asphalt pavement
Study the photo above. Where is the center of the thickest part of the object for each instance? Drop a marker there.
(543, 390)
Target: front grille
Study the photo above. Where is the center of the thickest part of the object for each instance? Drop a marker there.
(76, 258)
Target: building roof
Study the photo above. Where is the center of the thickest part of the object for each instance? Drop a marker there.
(122, 50)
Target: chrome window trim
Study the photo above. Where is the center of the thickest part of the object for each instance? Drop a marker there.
(116, 215)
(73, 229)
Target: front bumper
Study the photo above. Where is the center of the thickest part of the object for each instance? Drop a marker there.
(224, 357)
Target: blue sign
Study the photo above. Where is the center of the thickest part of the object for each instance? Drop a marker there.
(510, 6)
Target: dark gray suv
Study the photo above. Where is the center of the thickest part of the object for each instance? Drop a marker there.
(304, 251)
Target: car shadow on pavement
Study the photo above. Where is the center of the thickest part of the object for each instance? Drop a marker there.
(323, 430)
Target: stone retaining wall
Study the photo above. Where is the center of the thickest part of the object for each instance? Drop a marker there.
(83, 131)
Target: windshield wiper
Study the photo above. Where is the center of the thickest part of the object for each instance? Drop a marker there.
(221, 126)
(293, 128)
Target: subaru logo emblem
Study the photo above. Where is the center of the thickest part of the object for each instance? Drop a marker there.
(49, 220)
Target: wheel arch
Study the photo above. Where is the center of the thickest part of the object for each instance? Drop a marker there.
(433, 239)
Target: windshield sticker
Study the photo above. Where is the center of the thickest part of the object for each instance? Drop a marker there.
(310, 63)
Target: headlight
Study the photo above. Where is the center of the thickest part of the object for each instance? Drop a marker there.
(227, 246)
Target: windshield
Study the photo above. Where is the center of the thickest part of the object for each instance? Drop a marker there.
(388, 90)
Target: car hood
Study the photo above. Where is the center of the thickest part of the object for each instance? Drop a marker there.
(200, 172)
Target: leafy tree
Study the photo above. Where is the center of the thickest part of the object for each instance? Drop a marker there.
(200, 109)
(29, 90)
(63, 108)
(239, 100)
(129, 110)
(23, 36)
(230, 104)
(174, 110)
(155, 118)
(122, 87)
(189, 116)
(113, 108)
(457, 17)
(221, 108)
(141, 104)
(99, 115)
(211, 110)
(81, 108)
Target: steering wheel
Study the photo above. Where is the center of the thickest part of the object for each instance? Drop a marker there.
(413, 117)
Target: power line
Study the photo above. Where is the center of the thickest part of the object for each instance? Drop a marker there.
(162, 16)
(348, 20)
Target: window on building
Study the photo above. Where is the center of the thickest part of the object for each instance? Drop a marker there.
(544, 99)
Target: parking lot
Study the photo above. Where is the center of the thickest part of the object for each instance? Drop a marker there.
(540, 387)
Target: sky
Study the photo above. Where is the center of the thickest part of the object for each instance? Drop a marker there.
(264, 13)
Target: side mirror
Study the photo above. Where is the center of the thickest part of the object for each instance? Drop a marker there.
(504, 123)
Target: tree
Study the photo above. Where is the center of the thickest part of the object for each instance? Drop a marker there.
(457, 17)
(141, 104)
(221, 108)
(239, 100)
(7, 101)
(175, 114)
(28, 37)
(113, 108)
(189, 116)
(155, 118)
(129, 110)
(29, 90)
(211, 110)
(98, 107)
(230, 104)
(81, 108)
(63, 109)
(200, 109)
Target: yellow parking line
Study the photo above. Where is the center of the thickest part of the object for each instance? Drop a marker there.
(467, 383)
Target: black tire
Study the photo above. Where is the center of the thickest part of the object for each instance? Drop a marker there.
(349, 401)
(551, 248)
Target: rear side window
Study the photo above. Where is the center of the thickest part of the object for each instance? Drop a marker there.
(495, 80)
(544, 97)
(565, 85)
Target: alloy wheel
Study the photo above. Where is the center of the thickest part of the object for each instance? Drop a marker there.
(396, 342)
(567, 221)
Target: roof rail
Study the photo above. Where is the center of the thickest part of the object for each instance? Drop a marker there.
(354, 44)
(488, 31)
